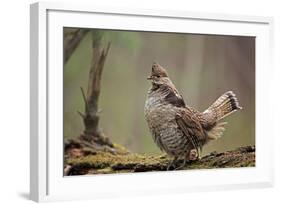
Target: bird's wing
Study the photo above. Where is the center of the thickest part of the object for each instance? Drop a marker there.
(172, 96)
(189, 123)
(205, 119)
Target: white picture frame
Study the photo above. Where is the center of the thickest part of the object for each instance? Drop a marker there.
(46, 155)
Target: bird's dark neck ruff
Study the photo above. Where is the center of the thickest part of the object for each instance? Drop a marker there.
(154, 87)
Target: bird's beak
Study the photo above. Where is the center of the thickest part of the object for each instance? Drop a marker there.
(149, 78)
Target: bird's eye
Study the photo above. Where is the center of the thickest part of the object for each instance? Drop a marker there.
(157, 76)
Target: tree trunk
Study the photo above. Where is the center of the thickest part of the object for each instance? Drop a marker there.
(92, 133)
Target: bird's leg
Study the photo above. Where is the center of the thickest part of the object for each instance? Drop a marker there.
(183, 164)
(185, 159)
(172, 163)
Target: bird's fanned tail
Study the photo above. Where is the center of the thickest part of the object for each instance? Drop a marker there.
(222, 107)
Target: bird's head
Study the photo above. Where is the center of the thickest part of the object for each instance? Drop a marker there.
(158, 75)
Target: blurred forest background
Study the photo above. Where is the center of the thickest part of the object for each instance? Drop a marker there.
(201, 66)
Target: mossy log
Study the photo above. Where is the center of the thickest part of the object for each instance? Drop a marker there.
(82, 161)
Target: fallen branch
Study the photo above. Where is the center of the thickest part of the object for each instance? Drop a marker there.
(123, 161)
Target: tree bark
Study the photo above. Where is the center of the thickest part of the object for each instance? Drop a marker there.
(72, 38)
(92, 133)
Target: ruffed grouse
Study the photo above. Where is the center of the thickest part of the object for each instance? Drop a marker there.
(180, 130)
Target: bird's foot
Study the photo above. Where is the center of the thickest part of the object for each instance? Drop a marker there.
(172, 165)
(182, 165)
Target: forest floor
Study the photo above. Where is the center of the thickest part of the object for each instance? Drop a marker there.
(79, 161)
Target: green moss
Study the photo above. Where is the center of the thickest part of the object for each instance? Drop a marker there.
(124, 161)
(120, 149)
(104, 159)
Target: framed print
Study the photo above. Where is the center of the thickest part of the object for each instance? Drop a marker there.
(123, 97)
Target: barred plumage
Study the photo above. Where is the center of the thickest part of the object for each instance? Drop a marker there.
(176, 128)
